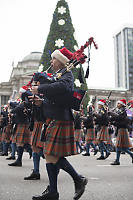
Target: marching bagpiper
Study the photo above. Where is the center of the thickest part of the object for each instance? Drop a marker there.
(120, 120)
(22, 133)
(77, 126)
(60, 140)
(90, 131)
(37, 121)
(101, 119)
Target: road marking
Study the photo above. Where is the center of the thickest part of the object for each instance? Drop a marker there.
(114, 165)
(104, 165)
(94, 178)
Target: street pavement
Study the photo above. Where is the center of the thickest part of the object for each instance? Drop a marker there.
(105, 182)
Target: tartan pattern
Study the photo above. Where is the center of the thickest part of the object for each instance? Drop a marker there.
(23, 134)
(110, 140)
(6, 133)
(103, 134)
(60, 138)
(0, 134)
(90, 136)
(77, 134)
(122, 139)
(35, 137)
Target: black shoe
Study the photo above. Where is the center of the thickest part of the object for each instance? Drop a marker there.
(4, 154)
(107, 155)
(16, 164)
(33, 176)
(80, 187)
(86, 154)
(47, 195)
(101, 158)
(81, 150)
(95, 151)
(115, 163)
(132, 160)
(11, 158)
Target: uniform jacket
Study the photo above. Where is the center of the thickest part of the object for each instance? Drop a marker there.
(55, 104)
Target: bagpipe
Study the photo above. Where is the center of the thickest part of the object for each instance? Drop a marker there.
(72, 98)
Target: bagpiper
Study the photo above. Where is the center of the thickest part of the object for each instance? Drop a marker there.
(90, 131)
(101, 120)
(36, 123)
(119, 118)
(60, 141)
(22, 134)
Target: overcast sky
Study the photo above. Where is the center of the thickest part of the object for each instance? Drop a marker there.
(24, 26)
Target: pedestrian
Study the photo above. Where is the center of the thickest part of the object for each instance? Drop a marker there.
(22, 132)
(90, 131)
(101, 120)
(60, 141)
(120, 120)
(77, 126)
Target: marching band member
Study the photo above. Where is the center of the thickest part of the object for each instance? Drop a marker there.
(90, 131)
(102, 134)
(60, 141)
(36, 143)
(5, 138)
(119, 119)
(22, 134)
(77, 126)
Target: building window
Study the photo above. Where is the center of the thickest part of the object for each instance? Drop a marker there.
(4, 99)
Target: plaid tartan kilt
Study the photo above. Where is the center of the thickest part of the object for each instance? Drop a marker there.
(77, 134)
(122, 139)
(0, 134)
(90, 136)
(23, 134)
(36, 133)
(103, 134)
(6, 133)
(110, 140)
(60, 138)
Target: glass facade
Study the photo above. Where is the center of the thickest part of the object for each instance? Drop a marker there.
(124, 58)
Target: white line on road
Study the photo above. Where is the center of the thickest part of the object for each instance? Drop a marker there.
(114, 166)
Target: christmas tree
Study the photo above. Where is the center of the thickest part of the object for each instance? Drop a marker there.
(62, 34)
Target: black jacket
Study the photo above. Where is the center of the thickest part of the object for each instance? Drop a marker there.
(20, 117)
(55, 104)
(119, 118)
(101, 118)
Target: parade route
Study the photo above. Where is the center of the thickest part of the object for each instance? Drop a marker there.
(105, 182)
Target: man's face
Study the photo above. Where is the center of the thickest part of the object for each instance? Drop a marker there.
(100, 106)
(56, 64)
(119, 105)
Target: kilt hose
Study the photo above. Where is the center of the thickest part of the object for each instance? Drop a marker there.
(122, 139)
(90, 135)
(23, 134)
(60, 138)
(6, 133)
(36, 133)
(77, 134)
(103, 135)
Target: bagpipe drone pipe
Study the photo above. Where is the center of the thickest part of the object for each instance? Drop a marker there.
(72, 98)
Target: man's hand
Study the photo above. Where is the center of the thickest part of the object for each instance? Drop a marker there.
(34, 90)
(36, 99)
